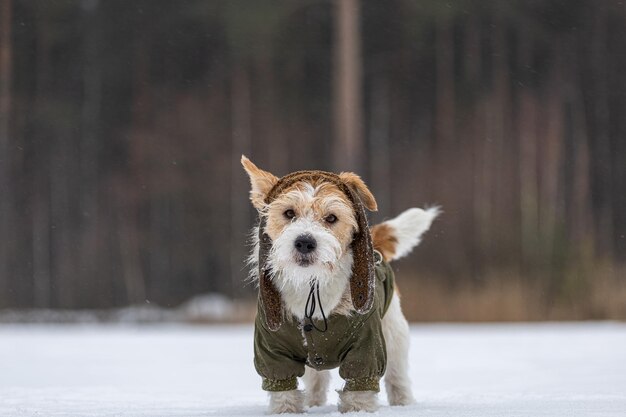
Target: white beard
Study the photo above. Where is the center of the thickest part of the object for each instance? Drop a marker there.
(333, 283)
(331, 269)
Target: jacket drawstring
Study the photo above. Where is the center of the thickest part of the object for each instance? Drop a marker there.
(311, 304)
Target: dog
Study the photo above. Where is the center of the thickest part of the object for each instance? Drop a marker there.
(327, 296)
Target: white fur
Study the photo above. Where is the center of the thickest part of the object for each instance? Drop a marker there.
(331, 268)
(316, 383)
(324, 257)
(396, 333)
(332, 285)
(286, 402)
(358, 401)
(409, 227)
(253, 258)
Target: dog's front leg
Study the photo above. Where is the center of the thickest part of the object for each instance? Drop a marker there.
(362, 366)
(291, 401)
(316, 383)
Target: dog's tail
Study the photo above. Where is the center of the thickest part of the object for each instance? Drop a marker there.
(396, 238)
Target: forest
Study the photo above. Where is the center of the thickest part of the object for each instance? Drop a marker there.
(122, 124)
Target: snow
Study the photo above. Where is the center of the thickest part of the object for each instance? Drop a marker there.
(575, 369)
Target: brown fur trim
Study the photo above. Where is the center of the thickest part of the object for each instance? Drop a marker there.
(270, 297)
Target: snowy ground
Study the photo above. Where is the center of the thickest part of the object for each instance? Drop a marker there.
(177, 370)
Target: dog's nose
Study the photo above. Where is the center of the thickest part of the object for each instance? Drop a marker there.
(305, 244)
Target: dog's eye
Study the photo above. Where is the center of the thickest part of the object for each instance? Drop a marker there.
(290, 214)
(331, 218)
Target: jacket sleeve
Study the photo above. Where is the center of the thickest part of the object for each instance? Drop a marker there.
(366, 359)
(274, 362)
(364, 363)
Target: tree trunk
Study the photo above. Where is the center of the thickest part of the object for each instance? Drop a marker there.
(131, 193)
(42, 250)
(379, 135)
(348, 112)
(602, 158)
(270, 126)
(241, 143)
(6, 222)
(42, 276)
(445, 97)
(473, 68)
(528, 157)
(90, 118)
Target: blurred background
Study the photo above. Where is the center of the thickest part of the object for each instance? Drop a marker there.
(122, 124)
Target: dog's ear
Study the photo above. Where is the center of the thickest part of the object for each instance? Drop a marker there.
(261, 182)
(358, 186)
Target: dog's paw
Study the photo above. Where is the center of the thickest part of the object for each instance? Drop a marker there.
(358, 401)
(400, 396)
(286, 402)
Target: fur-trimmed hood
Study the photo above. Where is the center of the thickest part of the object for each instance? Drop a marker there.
(362, 280)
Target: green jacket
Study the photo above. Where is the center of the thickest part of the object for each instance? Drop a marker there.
(353, 343)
